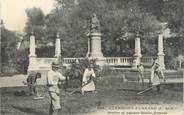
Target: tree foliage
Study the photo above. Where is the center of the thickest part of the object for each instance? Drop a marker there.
(35, 21)
(116, 17)
(8, 50)
(120, 21)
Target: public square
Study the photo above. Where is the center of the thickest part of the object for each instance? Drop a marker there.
(113, 92)
(91, 57)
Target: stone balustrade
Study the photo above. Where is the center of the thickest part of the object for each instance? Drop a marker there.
(119, 61)
(71, 60)
(45, 63)
(148, 61)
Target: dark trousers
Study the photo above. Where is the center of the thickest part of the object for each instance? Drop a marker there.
(51, 111)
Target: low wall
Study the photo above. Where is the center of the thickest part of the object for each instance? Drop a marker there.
(44, 64)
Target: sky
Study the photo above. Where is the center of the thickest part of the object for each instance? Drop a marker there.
(13, 11)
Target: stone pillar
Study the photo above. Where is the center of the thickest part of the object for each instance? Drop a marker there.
(137, 52)
(57, 46)
(161, 50)
(32, 46)
(32, 54)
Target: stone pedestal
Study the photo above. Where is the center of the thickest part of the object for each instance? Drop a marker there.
(33, 64)
(57, 46)
(101, 61)
(161, 51)
(94, 48)
(95, 45)
(137, 55)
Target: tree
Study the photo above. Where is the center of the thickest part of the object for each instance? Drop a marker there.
(116, 18)
(35, 22)
(8, 51)
(172, 12)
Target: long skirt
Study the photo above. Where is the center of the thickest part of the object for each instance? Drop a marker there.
(154, 78)
(89, 87)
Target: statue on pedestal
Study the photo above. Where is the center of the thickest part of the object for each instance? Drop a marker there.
(95, 24)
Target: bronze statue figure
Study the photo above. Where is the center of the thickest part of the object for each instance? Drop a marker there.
(95, 24)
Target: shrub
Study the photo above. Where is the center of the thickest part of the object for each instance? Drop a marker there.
(76, 71)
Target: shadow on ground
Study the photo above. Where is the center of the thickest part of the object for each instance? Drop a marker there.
(29, 110)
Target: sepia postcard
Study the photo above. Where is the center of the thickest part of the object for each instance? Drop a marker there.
(91, 57)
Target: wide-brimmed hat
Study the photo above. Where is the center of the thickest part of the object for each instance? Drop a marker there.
(55, 64)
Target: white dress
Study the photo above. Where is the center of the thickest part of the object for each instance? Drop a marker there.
(155, 80)
(86, 76)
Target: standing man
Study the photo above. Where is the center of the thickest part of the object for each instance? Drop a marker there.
(141, 73)
(87, 80)
(53, 80)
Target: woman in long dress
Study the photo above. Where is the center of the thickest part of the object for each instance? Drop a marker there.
(88, 77)
(156, 74)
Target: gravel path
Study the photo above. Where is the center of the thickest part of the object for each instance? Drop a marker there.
(16, 81)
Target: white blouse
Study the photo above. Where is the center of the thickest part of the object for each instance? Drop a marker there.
(87, 74)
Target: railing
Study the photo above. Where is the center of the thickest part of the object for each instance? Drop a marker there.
(112, 61)
(71, 60)
(65, 60)
(45, 61)
(119, 61)
(147, 60)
